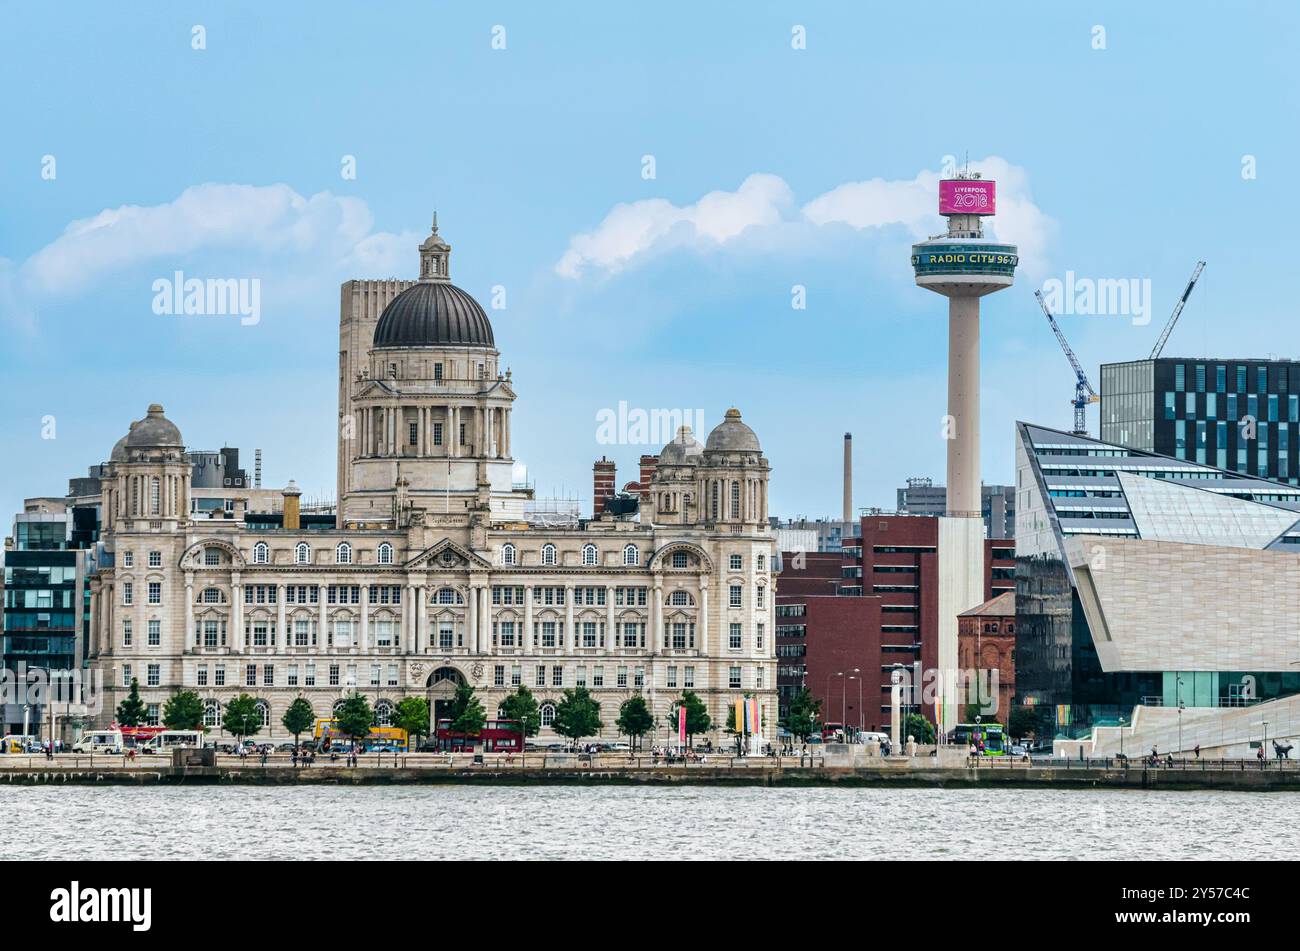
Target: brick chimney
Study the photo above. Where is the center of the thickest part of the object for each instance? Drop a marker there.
(648, 466)
(602, 484)
(292, 516)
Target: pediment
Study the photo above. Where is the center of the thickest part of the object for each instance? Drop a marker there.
(447, 555)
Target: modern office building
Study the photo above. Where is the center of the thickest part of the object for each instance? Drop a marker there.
(997, 504)
(828, 533)
(1145, 580)
(46, 600)
(1242, 415)
(893, 568)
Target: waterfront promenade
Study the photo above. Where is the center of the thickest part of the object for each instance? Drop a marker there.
(561, 768)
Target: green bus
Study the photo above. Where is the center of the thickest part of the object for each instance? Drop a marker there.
(991, 734)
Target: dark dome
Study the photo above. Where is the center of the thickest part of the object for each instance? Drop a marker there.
(433, 314)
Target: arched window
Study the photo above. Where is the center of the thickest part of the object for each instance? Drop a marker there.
(679, 559)
(302, 554)
(383, 713)
(631, 556)
(547, 714)
(212, 556)
(343, 554)
(548, 554)
(263, 712)
(507, 554)
(261, 553)
(211, 596)
(338, 705)
(385, 554)
(589, 554)
(212, 713)
(680, 599)
(449, 596)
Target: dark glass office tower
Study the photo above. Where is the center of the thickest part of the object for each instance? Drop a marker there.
(1242, 415)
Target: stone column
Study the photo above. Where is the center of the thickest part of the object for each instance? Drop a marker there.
(526, 638)
(237, 615)
(281, 625)
(472, 621)
(364, 636)
(656, 615)
(409, 612)
(189, 611)
(322, 635)
(703, 632)
(570, 635)
(609, 619)
(485, 639)
(421, 618)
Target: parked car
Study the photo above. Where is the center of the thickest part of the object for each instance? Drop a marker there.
(1019, 751)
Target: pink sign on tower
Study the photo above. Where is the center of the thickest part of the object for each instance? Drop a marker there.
(967, 196)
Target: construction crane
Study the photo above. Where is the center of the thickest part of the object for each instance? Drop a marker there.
(1178, 309)
(1083, 391)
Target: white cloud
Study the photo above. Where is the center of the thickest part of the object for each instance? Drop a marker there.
(322, 229)
(632, 231)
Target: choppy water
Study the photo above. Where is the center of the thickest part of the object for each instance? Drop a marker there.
(618, 822)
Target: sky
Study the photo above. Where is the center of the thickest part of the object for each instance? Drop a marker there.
(640, 195)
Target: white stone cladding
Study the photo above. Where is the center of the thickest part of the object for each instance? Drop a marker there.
(429, 587)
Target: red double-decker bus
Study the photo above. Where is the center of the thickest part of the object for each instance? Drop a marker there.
(497, 736)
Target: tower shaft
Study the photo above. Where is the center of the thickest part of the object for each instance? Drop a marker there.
(963, 406)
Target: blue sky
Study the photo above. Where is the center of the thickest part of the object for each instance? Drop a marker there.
(1122, 162)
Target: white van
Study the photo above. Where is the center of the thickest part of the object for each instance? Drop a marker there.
(99, 741)
(169, 740)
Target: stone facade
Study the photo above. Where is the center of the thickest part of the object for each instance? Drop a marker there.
(432, 574)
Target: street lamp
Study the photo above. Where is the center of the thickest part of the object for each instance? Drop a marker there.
(1178, 696)
(858, 678)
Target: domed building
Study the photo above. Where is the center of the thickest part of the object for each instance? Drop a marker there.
(434, 571)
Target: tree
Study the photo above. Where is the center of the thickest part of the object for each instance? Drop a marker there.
(242, 718)
(412, 715)
(353, 717)
(1023, 722)
(298, 718)
(522, 706)
(577, 715)
(132, 711)
(634, 719)
(183, 711)
(919, 727)
(697, 716)
(467, 714)
(802, 714)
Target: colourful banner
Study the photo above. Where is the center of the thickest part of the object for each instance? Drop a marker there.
(967, 196)
(681, 725)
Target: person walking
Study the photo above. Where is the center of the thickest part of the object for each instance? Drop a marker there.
(1196, 750)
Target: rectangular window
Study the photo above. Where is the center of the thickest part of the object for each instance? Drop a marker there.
(154, 674)
(155, 559)
(155, 592)
(293, 675)
(622, 677)
(557, 676)
(334, 675)
(128, 559)
(268, 675)
(437, 434)
(1180, 377)
(499, 675)
(126, 633)
(598, 676)
(392, 675)
(671, 680)
(413, 434)
(540, 678)
(688, 678)
(758, 635)
(126, 675)
(202, 675)
(1220, 379)
(733, 678)
(516, 676)
(638, 677)
(250, 675)
(736, 600)
(155, 633)
(309, 675)
(128, 593)
(580, 677)
(588, 633)
(737, 562)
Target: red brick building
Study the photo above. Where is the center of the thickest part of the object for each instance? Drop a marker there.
(986, 640)
(882, 611)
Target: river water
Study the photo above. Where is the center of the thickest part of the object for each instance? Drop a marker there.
(625, 822)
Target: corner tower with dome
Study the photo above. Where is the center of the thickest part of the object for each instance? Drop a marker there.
(432, 574)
